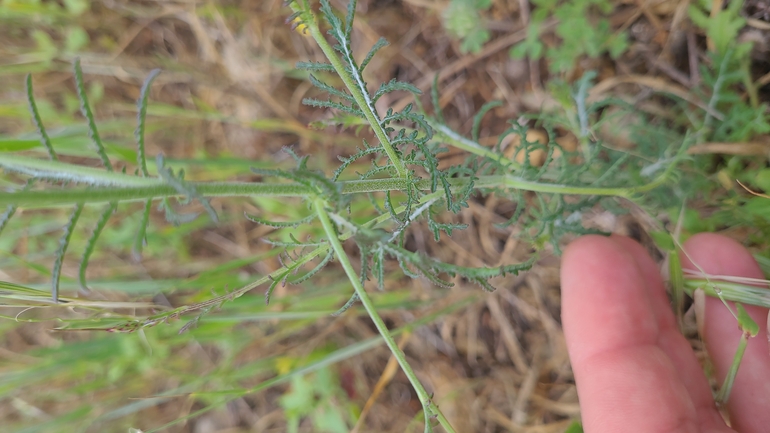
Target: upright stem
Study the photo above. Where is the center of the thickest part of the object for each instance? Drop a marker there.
(362, 100)
(724, 391)
(331, 234)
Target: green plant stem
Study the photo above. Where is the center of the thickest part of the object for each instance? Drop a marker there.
(111, 186)
(456, 140)
(751, 295)
(359, 94)
(724, 391)
(158, 189)
(62, 171)
(333, 237)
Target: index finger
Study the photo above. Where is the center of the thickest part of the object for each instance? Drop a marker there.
(628, 358)
(750, 396)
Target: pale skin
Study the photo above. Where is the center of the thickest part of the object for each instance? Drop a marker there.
(634, 370)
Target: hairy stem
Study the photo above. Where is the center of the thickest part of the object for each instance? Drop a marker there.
(333, 237)
(456, 140)
(155, 188)
(362, 100)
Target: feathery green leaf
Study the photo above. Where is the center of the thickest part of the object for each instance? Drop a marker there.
(85, 109)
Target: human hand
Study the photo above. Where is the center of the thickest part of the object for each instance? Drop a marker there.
(634, 370)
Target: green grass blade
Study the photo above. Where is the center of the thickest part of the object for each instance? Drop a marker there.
(724, 391)
(92, 242)
(141, 105)
(676, 279)
(730, 291)
(16, 295)
(44, 139)
(63, 244)
(85, 108)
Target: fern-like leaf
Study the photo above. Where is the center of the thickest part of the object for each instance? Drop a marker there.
(294, 243)
(392, 86)
(376, 170)
(349, 19)
(6, 216)
(484, 284)
(378, 267)
(436, 100)
(325, 261)
(10, 210)
(44, 139)
(184, 188)
(341, 32)
(392, 210)
(380, 44)
(280, 279)
(300, 160)
(351, 159)
(331, 89)
(85, 108)
(315, 66)
(480, 115)
(141, 105)
(91, 244)
(141, 233)
(279, 224)
(352, 301)
(430, 268)
(333, 105)
(406, 115)
(64, 243)
(437, 227)
(424, 272)
(364, 274)
(336, 30)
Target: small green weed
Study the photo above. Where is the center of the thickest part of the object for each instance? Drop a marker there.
(735, 116)
(316, 396)
(463, 20)
(580, 35)
(57, 33)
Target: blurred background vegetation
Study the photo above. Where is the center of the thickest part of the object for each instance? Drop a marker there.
(229, 98)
